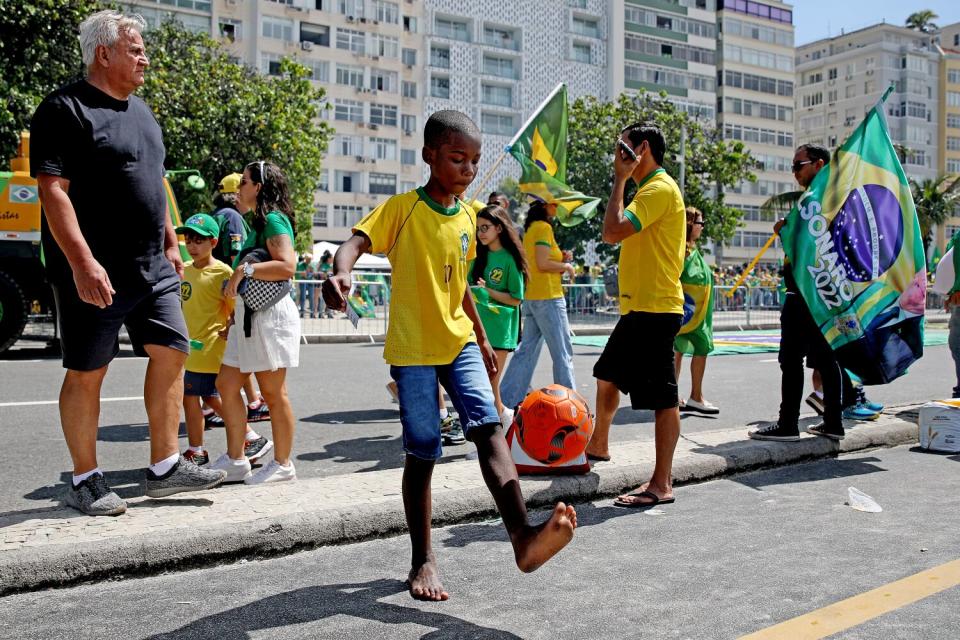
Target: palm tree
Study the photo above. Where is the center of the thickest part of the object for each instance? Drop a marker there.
(936, 199)
(922, 21)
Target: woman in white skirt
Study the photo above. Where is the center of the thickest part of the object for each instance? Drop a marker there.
(273, 345)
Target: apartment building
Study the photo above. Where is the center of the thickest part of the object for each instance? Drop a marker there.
(949, 161)
(367, 54)
(497, 61)
(755, 105)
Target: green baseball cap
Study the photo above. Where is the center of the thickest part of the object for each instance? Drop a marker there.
(202, 225)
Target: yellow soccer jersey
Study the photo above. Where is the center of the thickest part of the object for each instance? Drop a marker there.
(207, 312)
(542, 285)
(651, 259)
(429, 248)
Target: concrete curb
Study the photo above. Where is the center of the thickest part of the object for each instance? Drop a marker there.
(32, 568)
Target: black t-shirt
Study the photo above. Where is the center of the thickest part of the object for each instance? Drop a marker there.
(112, 153)
(233, 234)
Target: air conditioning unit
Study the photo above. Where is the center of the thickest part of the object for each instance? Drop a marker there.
(350, 18)
(232, 3)
(408, 132)
(870, 72)
(376, 22)
(373, 127)
(306, 45)
(363, 20)
(361, 124)
(374, 57)
(409, 66)
(360, 159)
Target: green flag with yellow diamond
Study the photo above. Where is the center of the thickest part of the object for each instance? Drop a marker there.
(541, 149)
(695, 337)
(854, 241)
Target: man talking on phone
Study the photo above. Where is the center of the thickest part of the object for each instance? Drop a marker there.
(638, 358)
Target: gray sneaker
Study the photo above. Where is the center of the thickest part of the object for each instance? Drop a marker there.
(94, 498)
(184, 476)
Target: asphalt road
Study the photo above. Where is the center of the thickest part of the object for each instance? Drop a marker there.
(346, 422)
(730, 557)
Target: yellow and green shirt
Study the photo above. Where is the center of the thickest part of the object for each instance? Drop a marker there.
(429, 247)
(207, 312)
(542, 285)
(652, 258)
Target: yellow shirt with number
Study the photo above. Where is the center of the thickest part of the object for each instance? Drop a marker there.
(652, 258)
(542, 285)
(429, 248)
(207, 312)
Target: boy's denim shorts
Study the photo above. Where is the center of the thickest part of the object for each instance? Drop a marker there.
(466, 382)
(200, 384)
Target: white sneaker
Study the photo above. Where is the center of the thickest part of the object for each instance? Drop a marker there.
(273, 472)
(506, 418)
(237, 470)
(700, 407)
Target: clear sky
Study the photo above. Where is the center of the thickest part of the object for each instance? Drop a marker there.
(816, 19)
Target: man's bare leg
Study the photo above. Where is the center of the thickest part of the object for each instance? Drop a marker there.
(162, 397)
(608, 401)
(80, 416)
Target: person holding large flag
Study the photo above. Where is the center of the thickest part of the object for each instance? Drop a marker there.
(638, 359)
(696, 335)
(801, 337)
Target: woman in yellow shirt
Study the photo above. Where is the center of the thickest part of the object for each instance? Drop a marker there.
(544, 309)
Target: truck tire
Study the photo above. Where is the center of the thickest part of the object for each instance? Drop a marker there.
(13, 311)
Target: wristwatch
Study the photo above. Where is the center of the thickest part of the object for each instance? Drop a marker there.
(248, 269)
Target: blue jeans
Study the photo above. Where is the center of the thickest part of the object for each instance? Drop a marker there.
(543, 320)
(466, 382)
(953, 340)
(305, 297)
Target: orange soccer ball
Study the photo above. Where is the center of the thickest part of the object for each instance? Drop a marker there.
(553, 425)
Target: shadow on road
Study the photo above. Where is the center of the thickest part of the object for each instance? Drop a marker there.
(127, 483)
(363, 416)
(384, 452)
(359, 599)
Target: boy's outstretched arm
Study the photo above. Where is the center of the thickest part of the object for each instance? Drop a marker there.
(489, 357)
(336, 287)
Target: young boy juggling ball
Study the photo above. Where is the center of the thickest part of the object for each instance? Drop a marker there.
(435, 335)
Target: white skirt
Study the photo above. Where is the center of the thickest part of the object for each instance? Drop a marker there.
(274, 341)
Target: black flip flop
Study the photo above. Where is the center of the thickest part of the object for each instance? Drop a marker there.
(590, 456)
(642, 505)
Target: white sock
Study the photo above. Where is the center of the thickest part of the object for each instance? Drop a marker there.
(164, 465)
(83, 476)
(196, 449)
(444, 413)
(252, 435)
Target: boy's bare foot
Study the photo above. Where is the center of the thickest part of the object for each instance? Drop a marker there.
(424, 583)
(539, 544)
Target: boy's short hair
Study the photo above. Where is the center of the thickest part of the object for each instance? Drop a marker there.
(443, 124)
(815, 152)
(650, 132)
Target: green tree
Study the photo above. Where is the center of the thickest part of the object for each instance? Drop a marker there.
(217, 116)
(922, 21)
(39, 52)
(936, 199)
(712, 164)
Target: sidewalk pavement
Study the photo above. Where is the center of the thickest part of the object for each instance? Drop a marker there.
(58, 546)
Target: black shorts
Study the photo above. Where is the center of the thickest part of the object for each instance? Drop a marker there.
(90, 336)
(638, 359)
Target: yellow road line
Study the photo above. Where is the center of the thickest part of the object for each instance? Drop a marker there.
(866, 606)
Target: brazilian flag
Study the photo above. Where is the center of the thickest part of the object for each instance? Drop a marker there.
(696, 335)
(854, 241)
(541, 149)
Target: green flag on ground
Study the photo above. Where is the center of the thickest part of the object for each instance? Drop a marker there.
(696, 335)
(541, 149)
(854, 243)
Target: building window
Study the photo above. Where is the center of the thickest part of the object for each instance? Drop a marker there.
(408, 123)
(953, 76)
(270, 64)
(410, 24)
(231, 30)
(383, 184)
(409, 57)
(953, 165)
(350, 76)
(496, 95)
(440, 87)
(758, 9)
(500, 37)
(408, 157)
(383, 148)
(381, 80)
(348, 145)
(346, 215)
(383, 115)
(277, 29)
(346, 181)
(580, 52)
(453, 29)
(953, 120)
(350, 8)
(385, 46)
(319, 215)
(440, 57)
(350, 40)
(348, 111)
(384, 11)
(497, 124)
(318, 34)
(319, 69)
(953, 143)
(588, 27)
(408, 89)
(500, 67)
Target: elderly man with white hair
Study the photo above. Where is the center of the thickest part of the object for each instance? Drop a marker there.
(112, 256)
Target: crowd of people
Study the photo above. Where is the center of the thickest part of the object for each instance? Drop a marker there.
(466, 292)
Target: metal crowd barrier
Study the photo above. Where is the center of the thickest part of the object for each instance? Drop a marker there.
(371, 301)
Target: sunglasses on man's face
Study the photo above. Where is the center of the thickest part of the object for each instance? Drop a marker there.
(799, 165)
(699, 223)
